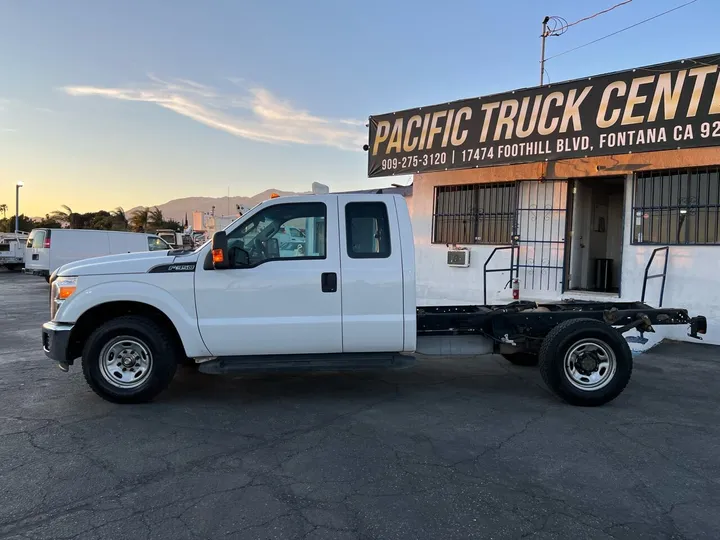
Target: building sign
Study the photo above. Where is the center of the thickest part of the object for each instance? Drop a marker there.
(661, 107)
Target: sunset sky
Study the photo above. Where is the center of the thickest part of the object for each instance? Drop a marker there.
(106, 103)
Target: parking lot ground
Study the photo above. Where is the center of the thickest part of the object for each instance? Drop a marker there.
(469, 448)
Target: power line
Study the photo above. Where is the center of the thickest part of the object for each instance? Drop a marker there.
(622, 30)
(557, 26)
(599, 13)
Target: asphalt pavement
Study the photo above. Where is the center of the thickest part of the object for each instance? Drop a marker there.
(449, 449)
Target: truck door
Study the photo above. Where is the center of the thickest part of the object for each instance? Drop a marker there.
(286, 300)
(37, 250)
(372, 275)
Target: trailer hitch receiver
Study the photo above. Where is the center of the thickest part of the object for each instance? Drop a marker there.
(698, 325)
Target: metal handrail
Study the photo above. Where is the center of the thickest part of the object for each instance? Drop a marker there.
(487, 261)
(663, 275)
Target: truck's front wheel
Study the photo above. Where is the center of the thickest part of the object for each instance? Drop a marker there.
(129, 359)
(586, 362)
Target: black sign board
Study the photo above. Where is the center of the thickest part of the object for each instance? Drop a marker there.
(660, 107)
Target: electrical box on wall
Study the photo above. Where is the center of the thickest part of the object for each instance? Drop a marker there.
(458, 258)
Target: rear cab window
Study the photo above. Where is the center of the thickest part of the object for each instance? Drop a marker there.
(37, 238)
(368, 230)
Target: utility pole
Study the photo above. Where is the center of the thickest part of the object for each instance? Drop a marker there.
(557, 26)
(543, 36)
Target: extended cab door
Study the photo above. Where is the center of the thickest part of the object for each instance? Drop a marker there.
(286, 299)
(372, 274)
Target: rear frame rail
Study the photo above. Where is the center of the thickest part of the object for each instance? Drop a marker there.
(529, 322)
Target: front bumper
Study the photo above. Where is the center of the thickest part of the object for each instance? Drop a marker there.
(34, 272)
(55, 341)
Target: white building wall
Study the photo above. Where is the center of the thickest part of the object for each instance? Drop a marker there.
(693, 278)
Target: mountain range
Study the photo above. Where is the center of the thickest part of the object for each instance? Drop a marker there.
(224, 206)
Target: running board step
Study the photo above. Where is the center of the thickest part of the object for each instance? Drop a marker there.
(306, 362)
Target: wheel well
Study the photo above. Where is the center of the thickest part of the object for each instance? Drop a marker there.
(94, 317)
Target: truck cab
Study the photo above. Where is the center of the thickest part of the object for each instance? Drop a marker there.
(350, 290)
(347, 282)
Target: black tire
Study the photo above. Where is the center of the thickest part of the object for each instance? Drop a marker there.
(13, 267)
(524, 359)
(142, 329)
(558, 344)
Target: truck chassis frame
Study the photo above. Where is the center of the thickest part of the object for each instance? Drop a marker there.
(523, 325)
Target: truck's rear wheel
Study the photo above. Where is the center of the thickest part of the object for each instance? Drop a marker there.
(524, 359)
(585, 362)
(13, 267)
(129, 360)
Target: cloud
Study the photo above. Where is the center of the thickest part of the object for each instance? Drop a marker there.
(250, 113)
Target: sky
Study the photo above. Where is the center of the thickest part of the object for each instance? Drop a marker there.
(106, 103)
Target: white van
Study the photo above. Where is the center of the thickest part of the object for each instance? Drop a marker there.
(49, 249)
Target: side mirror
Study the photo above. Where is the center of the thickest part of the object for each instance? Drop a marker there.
(238, 257)
(273, 248)
(219, 251)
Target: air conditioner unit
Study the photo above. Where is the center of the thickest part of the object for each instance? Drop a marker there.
(458, 258)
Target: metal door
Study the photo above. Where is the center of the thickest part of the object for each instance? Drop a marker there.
(541, 226)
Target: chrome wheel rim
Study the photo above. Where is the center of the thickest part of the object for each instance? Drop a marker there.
(125, 362)
(590, 364)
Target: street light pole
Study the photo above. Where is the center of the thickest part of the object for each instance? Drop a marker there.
(17, 206)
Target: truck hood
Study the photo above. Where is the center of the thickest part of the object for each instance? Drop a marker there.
(125, 263)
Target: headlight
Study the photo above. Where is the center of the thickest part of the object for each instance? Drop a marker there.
(61, 289)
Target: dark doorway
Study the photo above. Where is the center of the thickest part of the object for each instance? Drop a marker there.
(596, 239)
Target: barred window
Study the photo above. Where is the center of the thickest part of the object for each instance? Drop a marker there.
(474, 214)
(677, 207)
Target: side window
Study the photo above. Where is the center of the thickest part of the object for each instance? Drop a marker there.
(368, 230)
(280, 232)
(157, 244)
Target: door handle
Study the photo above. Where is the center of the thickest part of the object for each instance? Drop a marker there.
(328, 282)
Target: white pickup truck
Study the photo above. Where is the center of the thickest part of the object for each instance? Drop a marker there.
(12, 250)
(346, 301)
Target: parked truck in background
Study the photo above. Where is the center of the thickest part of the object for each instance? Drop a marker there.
(176, 240)
(12, 250)
(345, 301)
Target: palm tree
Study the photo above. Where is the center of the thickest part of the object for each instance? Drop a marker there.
(155, 218)
(3, 209)
(139, 218)
(65, 216)
(118, 216)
